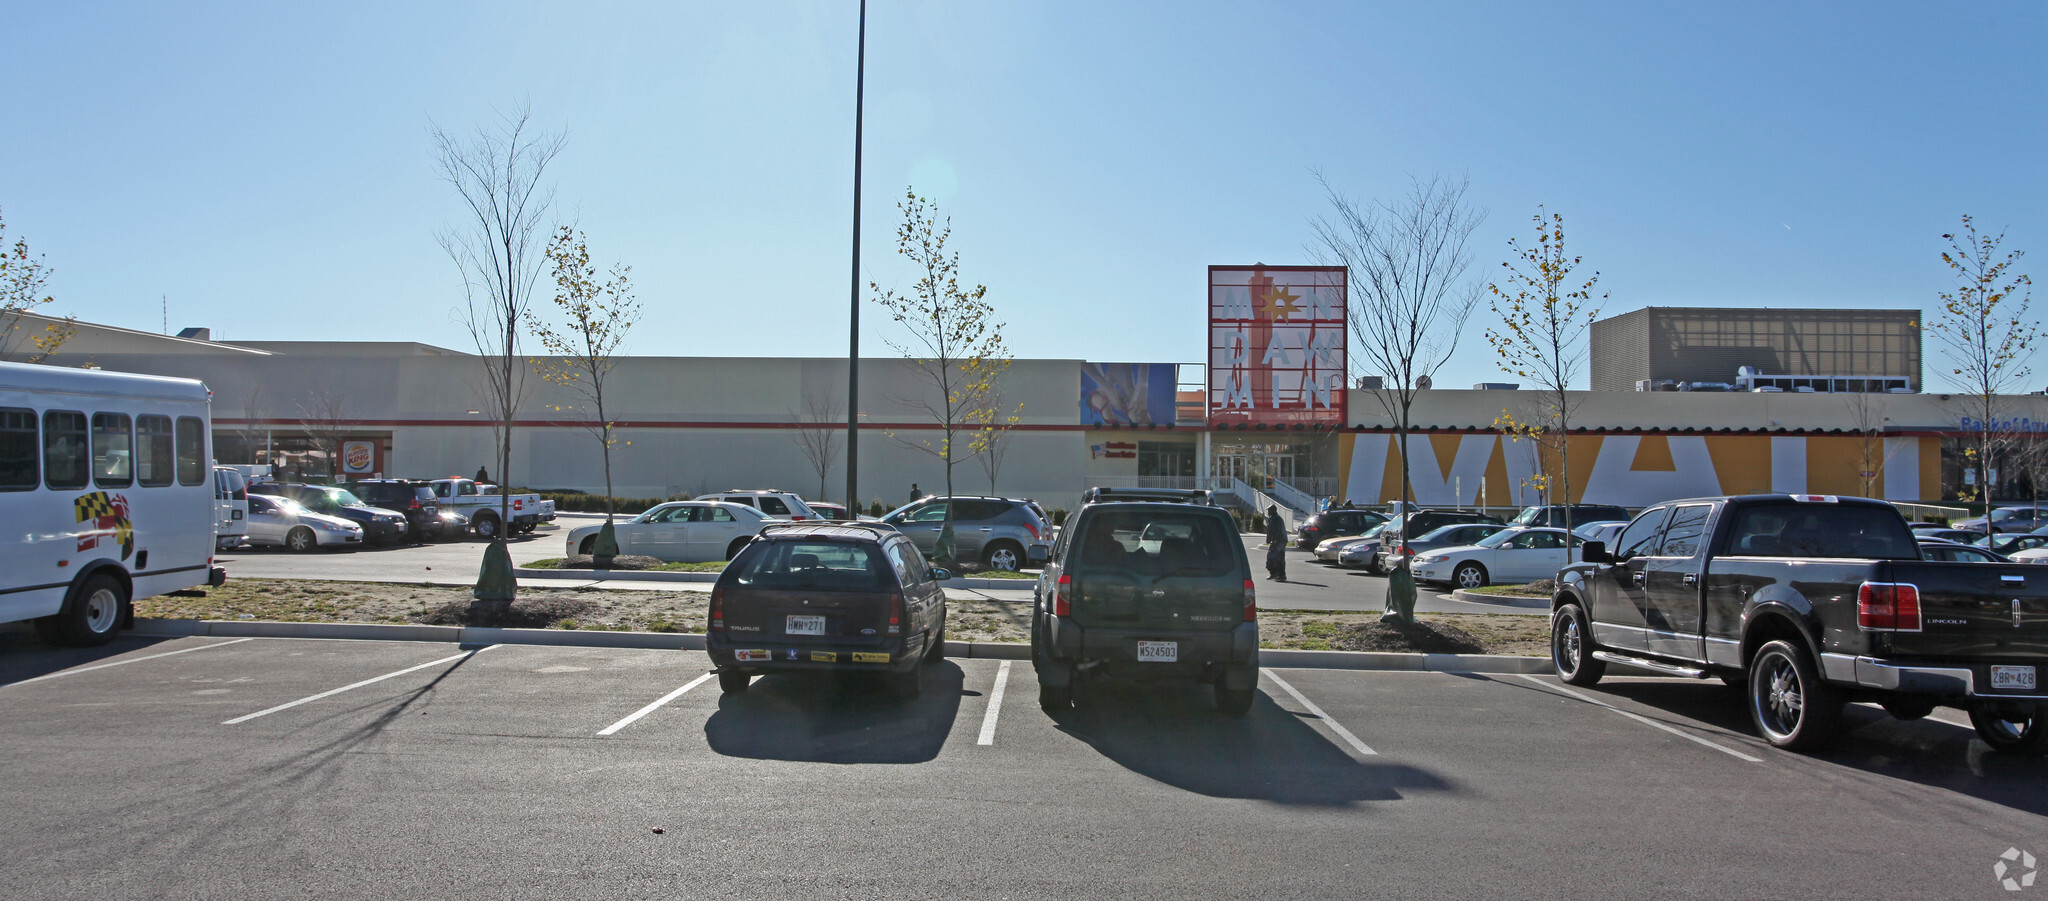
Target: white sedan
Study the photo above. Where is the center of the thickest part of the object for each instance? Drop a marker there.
(282, 521)
(1508, 556)
(681, 532)
(2032, 555)
(1330, 549)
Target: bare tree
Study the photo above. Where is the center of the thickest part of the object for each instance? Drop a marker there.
(252, 428)
(1866, 418)
(598, 314)
(1983, 323)
(992, 439)
(24, 280)
(499, 250)
(1542, 338)
(955, 344)
(323, 418)
(1408, 293)
(820, 433)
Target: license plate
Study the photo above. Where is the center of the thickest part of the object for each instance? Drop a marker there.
(1158, 652)
(804, 625)
(2015, 677)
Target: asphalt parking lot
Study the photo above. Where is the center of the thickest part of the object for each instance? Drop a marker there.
(1310, 585)
(256, 768)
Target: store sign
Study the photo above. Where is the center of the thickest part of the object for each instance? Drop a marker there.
(358, 457)
(1276, 345)
(1115, 450)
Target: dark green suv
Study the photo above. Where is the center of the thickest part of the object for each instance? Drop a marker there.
(1147, 584)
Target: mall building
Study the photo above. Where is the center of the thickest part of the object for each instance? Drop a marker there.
(688, 425)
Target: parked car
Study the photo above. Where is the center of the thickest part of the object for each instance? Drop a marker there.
(777, 504)
(2008, 543)
(278, 520)
(1810, 602)
(487, 508)
(379, 526)
(1513, 555)
(1457, 535)
(2007, 518)
(1329, 549)
(1580, 514)
(1146, 588)
(1335, 522)
(1600, 531)
(827, 596)
(1422, 522)
(680, 532)
(1003, 533)
(829, 510)
(1951, 552)
(1366, 553)
(1956, 535)
(2037, 555)
(409, 498)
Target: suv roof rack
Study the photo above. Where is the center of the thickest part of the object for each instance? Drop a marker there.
(829, 524)
(1164, 495)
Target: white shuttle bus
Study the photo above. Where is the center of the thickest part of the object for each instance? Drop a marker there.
(106, 495)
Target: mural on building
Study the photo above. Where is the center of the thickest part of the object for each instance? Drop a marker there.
(1127, 393)
(1277, 345)
(1489, 469)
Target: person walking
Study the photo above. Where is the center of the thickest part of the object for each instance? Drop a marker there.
(1276, 545)
(915, 495)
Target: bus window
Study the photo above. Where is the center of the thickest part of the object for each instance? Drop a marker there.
(153, 451)
(18, 450)
(191, 451)
(64, 457)
(113, 450)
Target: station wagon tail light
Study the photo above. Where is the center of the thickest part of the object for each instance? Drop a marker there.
(718, 609)
(896, 613)
(1059, 595)
(1888, 607)
(1251, 601)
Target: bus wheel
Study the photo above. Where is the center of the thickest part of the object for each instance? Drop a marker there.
(93, 615)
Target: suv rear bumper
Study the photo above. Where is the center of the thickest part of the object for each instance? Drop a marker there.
(1947, 678)
(1117, 649)
(900, 655)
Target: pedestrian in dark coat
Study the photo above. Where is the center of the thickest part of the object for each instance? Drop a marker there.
(1276, 545)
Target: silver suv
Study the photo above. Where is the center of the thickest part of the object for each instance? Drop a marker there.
(1003, 533)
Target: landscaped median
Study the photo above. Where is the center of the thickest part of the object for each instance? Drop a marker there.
(413, 612)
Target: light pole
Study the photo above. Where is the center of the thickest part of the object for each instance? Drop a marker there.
(853, 339)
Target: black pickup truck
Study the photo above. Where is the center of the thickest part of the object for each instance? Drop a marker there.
(1807, 603)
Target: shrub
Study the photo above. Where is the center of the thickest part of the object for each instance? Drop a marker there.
(1059, 516)
(875, 507)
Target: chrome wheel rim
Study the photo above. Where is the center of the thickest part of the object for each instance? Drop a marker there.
(1567, 646)
(1778, 696)
(301, 540)
(102, 610)
(1004, 559)
(1468, 577)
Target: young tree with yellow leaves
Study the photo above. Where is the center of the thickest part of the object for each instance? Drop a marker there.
(954, 344)
(23, 280)
(597, 313)
(1984, 325)
(1545, 314)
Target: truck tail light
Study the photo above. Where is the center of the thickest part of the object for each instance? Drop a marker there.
(1251, 601)
(1888, 607)
(718, 609)
(1059, 595)
(896, 613)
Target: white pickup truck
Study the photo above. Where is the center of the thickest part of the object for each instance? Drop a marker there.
(481, 503)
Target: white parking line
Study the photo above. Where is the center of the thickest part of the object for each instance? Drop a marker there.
(335, 691)
(657, 705)
(1642, 719)
(995, 706)
(1335, 726)
(87, 669)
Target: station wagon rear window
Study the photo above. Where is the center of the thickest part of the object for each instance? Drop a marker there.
(814, 566)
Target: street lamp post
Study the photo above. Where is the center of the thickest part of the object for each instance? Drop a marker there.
(853, 340)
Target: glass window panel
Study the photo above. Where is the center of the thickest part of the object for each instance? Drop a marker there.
(113, 450)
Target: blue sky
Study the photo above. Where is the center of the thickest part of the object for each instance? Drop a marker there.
(267, 167)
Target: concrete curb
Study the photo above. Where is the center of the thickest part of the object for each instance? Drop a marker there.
(1498, 601)
(687, 641)
(591, 575)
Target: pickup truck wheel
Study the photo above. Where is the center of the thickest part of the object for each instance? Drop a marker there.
(1469, 576)
(588, 545)
(1792, 708)
(2024, 736)
(732, 681)
(1571, 647)
(486, 526)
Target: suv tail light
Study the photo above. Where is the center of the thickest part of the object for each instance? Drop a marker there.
(1251, 601)
(1059, 595)
(1032, 527)
(415, 505)
(1888, 607)
(718, 609)
(896, 613)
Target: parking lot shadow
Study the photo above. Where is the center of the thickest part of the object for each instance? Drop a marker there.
(836, 718)
(1926, 752)
(24, 655)
(1172, 733)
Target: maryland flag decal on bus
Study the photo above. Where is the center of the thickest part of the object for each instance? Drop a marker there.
(109, 517)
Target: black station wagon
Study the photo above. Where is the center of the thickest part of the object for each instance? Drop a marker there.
(838, 597)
